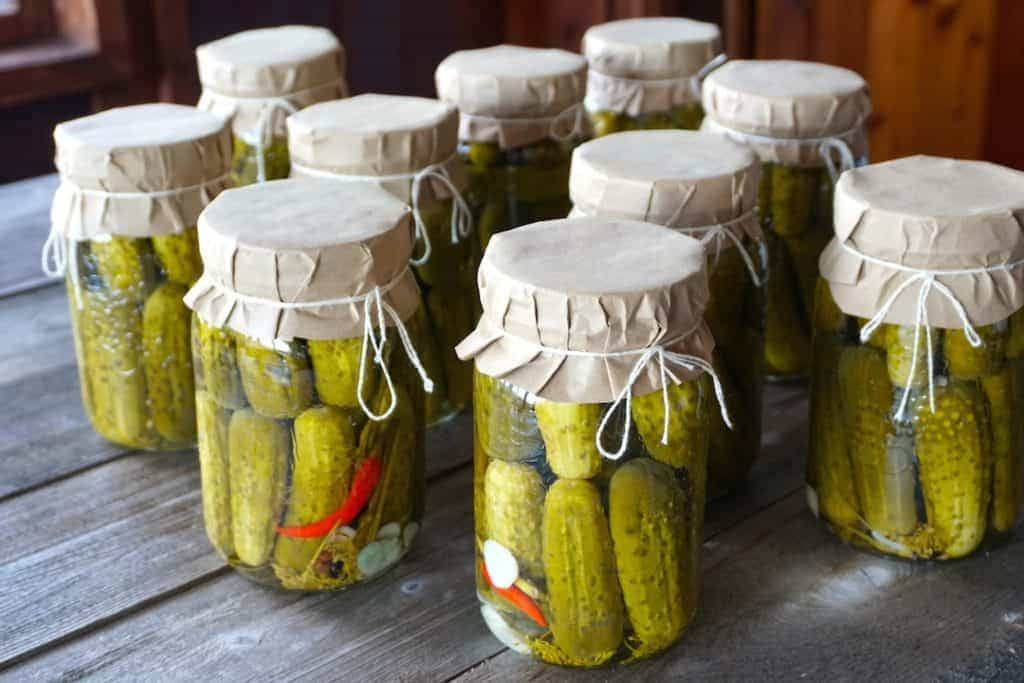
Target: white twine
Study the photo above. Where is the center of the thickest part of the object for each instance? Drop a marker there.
(462, 217)
(828, 147)
(265, 119)
(375, 337)
(720, 232)
(646, 355)
(694, 80)
(929, 282)
(55, 258)
(573, 115)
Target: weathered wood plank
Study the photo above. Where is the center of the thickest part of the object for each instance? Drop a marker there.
(420, 621)
(24, 225)
(87, 549)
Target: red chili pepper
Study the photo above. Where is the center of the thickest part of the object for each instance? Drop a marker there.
(517, 597)
(363, 483)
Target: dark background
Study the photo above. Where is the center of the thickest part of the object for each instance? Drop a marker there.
(947, 76)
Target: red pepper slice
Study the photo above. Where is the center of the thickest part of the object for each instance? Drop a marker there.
(517, 597)
(363, 483)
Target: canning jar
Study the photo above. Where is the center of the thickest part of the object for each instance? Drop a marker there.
(588, 493)
(309, 387)
(706, 187)
(646, 72)
(806, 122)
(521, 113)
(255, 79)
(918, 380)
(132, 183)
(407, 145)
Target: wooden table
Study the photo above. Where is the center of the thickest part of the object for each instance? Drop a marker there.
(105, 570)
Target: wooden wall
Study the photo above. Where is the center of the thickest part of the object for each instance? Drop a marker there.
(947, 75)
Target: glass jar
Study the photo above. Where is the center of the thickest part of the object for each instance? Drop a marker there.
(916, 436)
(584, 561)
(118, 236)
(645, 73)
(256, 78)
(590, 475)
(309, 384)
(300, 489)
(706, 187)
(517, 129)
(806, 122)
(407, 145)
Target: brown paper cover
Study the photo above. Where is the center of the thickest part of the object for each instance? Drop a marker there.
(928, 213)
(136, 151)
(645, 65)
(302, 241)
(591, 285)
(510, 94)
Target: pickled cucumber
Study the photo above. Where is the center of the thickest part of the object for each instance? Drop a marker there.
(585, 606)
(504, 423)
(657, 568)
(213, 472)
(167, 358)
(178, 255)
(787, 344)
(827, 316)
(954, 454)
(217, 369)
(244, 165)
(278, 384)
(514, 500)
(899, 347)
(967, 362)
(688, 424)
(322, 465)
(1005, 418)
(259, 449)
(793, 194)
(124, 264)
(336, 369)
(453, 320)
(569, 431)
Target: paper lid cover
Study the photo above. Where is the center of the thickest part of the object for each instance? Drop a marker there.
(651, 47)
(493, 87)
(675, 178)
(278, 257)
(932, 214)
(137, 171)
(587, 286)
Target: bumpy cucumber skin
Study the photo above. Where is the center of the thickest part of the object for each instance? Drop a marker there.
(586, 612)
(885, 488)
(216, 366)
(244, 165)
(1005, 415)
(657, 568)
(336, 369)
(967, 362)
(178, 256)
(513, 506)
(278, 384)
(955, 462)
(213, 472)
(258, 450)
(324, 451)
(569, 431)
(787, 344)
(125, 265)
(899, 347)
(688, 424)
(167, 358)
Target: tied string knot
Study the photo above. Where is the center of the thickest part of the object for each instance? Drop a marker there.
(720, 232)
(625, 397)
(461, 219)
(928, 282)
(569, 120)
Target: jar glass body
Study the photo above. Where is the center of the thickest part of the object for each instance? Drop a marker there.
(605, 552)
(245, 160)
(735, 314)
(300, 489)
(685, 117)
(516, 186)
(795, 205)
(921, 485)
(131, 332)
(449, 313)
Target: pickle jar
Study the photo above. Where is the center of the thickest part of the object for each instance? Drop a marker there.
(645, 73)
(255, 79)
(407, 145)
(521, 113)
(588, 494)
(309, 391)
(806, 122)
(917, 390)
(706, 187)
(133, 181)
